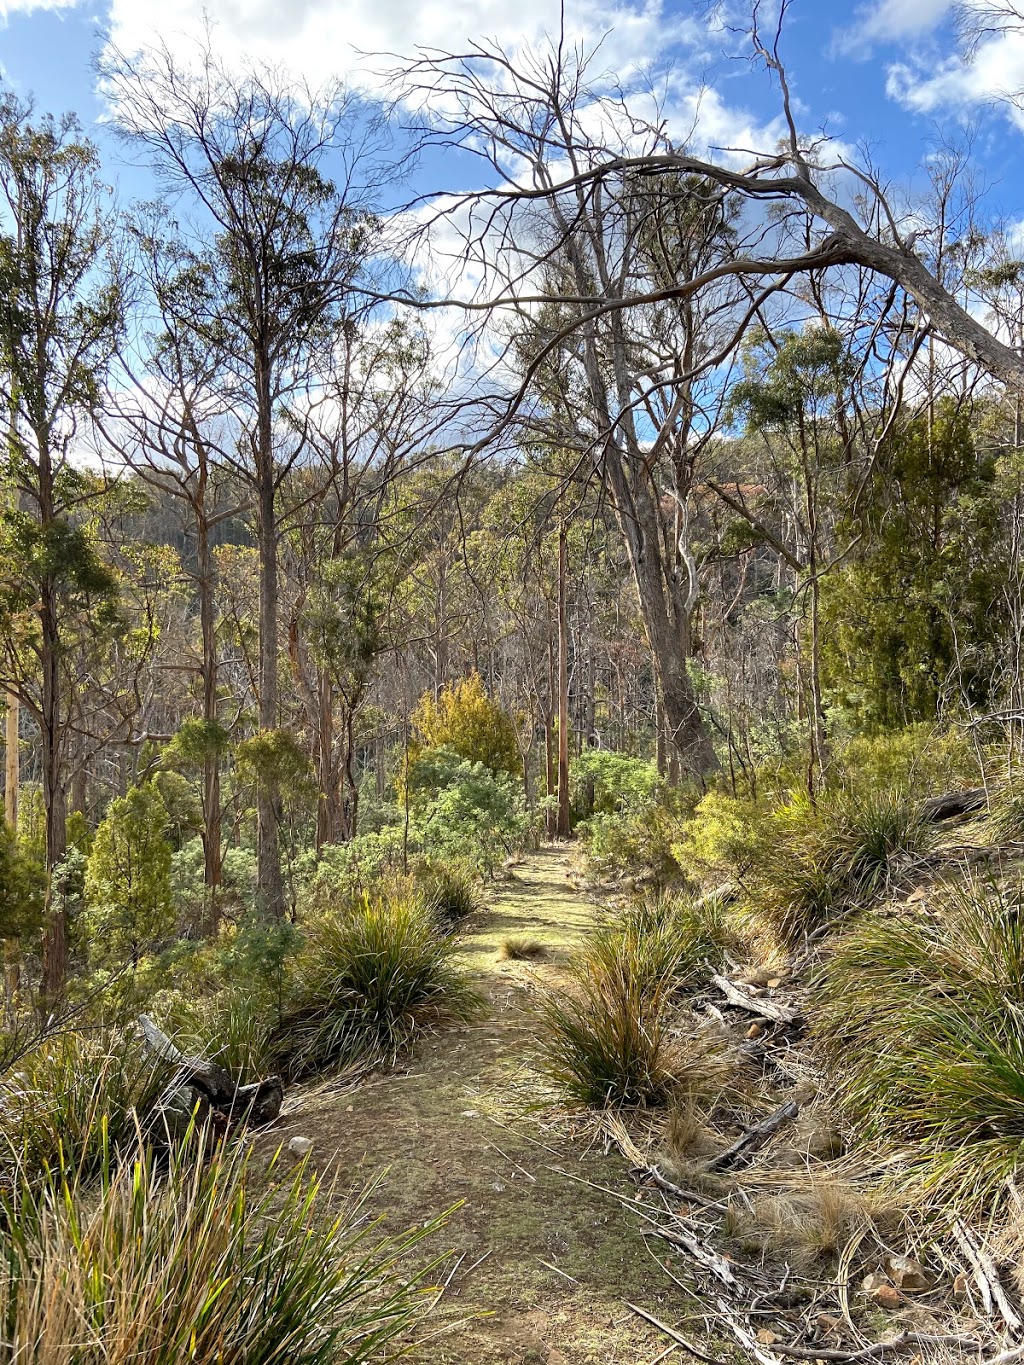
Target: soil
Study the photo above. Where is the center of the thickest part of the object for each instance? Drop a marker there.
(541, 1266)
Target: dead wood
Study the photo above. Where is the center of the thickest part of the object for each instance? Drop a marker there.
(744, 998)
(753, 1139)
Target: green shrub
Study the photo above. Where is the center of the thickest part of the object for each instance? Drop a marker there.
(128, 880)
(721, 839)
(74, 1099)
(367, 982)
(195, 1263)
(1007, 821)
(639, 843)
(606, 783)
(464, 812)
(921, 1021)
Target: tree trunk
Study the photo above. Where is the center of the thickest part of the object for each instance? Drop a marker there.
(563, 688)
(12, 767)
(55, 937)
(212, 859)
(268, 853)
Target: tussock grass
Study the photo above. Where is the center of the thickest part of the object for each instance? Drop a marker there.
(73, 1101)
(451, 892)
(1007, 822)
(823, 860)
(808, 1226)
(517, 948)
(368, 982)
(921, 1023)
(608, 1039)
(193, 1263)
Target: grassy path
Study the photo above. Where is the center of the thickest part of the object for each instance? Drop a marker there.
(551, 1262)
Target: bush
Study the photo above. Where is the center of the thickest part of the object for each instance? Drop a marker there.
(464, 812)
(128, 879)
(921, 1021)
(815, 862)
(192, 1264)
(721, 839)
(607, 783)
(75, 1099)
(471, 724)
(638, 843)
(367, 983)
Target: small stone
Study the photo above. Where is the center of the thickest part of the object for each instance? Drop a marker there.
(755, 1030)
(766, 1336)
(961, 1287)
(825, 1322)
(774, 982)
(887, 1296)
(470, 1113)
(874, 1281)
(299, 1147)
(908, 1274)
(499, 1186)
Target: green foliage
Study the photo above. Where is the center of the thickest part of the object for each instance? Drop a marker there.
(465, 811)
(639, 843)
(606, 783)
(467, 721)
(128, 879)
(721, 839)
(920, 605)
(22, 889)
(921, 1022)
(207, 1260)
(367, 982)
(276, 757)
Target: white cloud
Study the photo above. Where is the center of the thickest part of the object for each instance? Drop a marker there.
(895, 20)
(9, 7)
(995, 73)
(320, 39)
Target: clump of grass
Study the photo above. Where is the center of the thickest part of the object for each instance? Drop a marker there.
(73, 1100)
(193, 1263)
(451, 892)
(232, 1028)
(663, 938)
(520, 949)
(921, 1022)
(806, 1226)
(822, 860)
(367, 984)
(606, 1039)
(1007, 821)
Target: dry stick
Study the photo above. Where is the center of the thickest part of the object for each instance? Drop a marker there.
(986, 1275)
(1009, 1357)
(677, 1337)
(759, 1005)
(548, 1266)
(754, 1138)
(704, 1256)
(877, 1349)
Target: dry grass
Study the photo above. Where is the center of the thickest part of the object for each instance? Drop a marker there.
(517, 948)
(807, 1226)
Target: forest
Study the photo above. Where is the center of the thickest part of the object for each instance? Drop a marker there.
(514, 730)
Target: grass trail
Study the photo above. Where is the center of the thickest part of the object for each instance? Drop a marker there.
(551, 1261)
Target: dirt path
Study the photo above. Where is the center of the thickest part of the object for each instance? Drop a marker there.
(551, 1261)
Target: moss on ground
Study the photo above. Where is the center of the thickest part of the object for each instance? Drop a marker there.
(550, 1261)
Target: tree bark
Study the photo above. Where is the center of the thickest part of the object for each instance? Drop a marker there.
(563, 687)
(212, 859)
(270, 883)
(12, 767)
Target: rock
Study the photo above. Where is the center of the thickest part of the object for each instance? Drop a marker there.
(825, 1323)
(299, 1147)
(908, 1274)
(874, 1281)
(766, 1336)
(887, 1296)
(755, 1030)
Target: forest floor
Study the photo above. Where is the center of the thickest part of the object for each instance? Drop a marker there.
(544, 1266)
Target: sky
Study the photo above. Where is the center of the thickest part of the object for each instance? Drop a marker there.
(883, 76)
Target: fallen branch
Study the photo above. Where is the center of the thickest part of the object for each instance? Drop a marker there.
(674, 1335)
(877, 1349)
(710, 1260)
(755, 1004)
(986, 1276)
(753, 1139)
(952, 804)
(257, 1103)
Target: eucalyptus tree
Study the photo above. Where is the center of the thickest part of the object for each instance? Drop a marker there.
(60, 316)
(269, 182)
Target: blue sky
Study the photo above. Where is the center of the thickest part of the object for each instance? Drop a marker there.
(885, 73)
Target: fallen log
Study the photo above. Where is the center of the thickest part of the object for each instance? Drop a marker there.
(952, 804)
(215, 1088)
(744, 999)
(753, 1139)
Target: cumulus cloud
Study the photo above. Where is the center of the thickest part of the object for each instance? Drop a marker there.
(996, 72)
(887, 21)
(9, 7)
